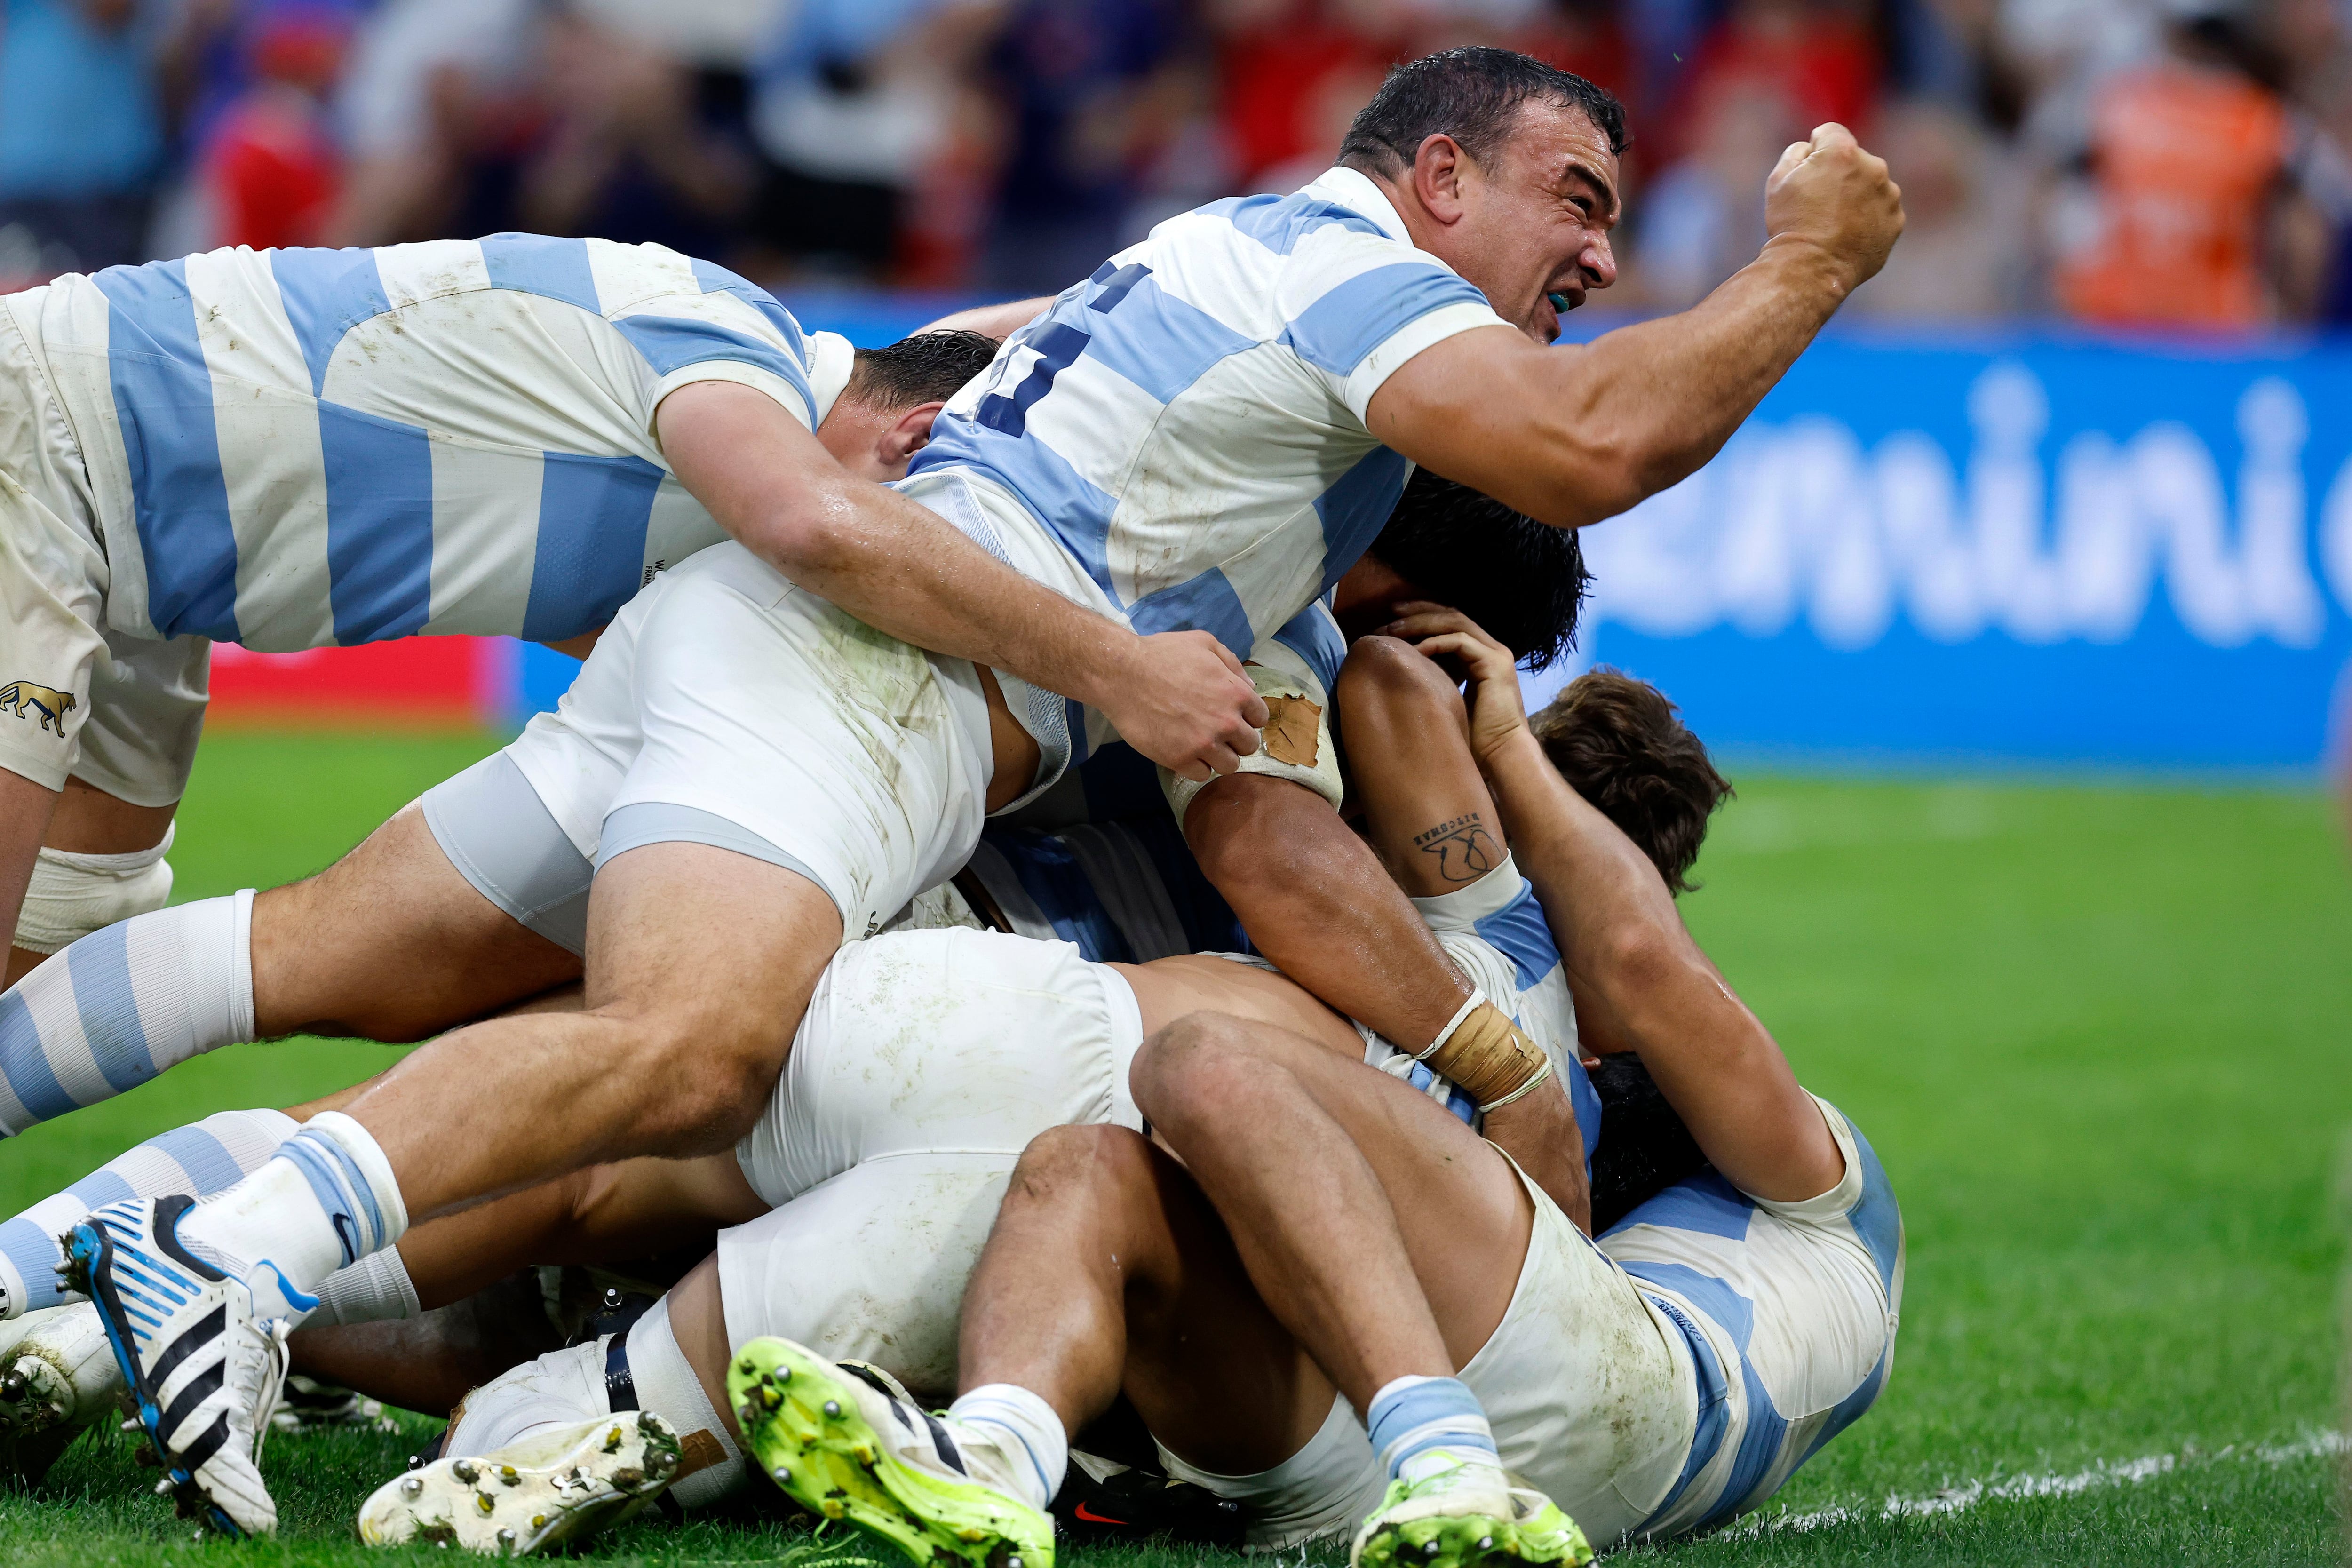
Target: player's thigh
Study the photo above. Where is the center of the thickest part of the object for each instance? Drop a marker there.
(392, 942)
(871, 1264)
(1459, 1207)
(944, 1039)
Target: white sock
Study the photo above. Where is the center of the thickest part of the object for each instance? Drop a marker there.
(207, 1157)
(375, 1289)
(1027, 1433)
(122, 1004)
(327, 1199)
(711, 1465)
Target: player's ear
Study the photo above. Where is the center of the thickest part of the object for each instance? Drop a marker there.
(910, 434)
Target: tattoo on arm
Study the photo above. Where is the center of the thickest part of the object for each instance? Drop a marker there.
(1466, 851)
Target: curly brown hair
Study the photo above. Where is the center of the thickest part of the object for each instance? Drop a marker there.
(1625, 747)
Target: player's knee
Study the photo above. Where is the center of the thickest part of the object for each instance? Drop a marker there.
(1063, 1164)
(1387, 674)
(710, 1072)
(1202, 1069)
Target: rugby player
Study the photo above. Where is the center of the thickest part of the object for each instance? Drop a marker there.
(1248, 473)
(310, 448)
(1328, 1229)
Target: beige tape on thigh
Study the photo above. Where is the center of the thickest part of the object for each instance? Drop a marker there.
(1491, 1058)
(1295, 745)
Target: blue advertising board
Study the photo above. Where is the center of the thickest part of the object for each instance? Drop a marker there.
(2016, 547)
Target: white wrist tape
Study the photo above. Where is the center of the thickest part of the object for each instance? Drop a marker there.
(71, 895)
(1477, 998)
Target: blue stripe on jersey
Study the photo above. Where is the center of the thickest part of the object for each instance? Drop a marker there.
(1847, 1411)
(1713, 1400)
(1115, 282)
(717, 279)
(1710, 1295)
(100, 1188)
(673, 343)
(1057, 885)
(1338, 330)
(536, 264)
(1057, 346)
(1279, 223)
(100, 968)
(1119, 780)
(1357, 506)
(1207, 603)
(1158, 341)
(1076, 513)
(1759, 1445)
(204, 1157)
(1208, 921)
(1585, 1101)
(1520, 933)
(589, 557)
(26, 1065)
(1876, 1218)
(1313, 635)
(1704, 1203)
(327, 293)
(163, 403)
(378, 524)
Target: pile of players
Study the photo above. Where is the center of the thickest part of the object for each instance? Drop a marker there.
(941, 907)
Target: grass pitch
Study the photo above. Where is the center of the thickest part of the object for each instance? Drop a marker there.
(2097, 1034)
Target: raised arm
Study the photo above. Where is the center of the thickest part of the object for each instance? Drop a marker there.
(1571, 436)
(1180, 697)
(1631, 962)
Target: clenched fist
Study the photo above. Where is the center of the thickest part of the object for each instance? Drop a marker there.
(1832, 194)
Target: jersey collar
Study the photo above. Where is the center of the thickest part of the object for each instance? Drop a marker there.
(1354, 190)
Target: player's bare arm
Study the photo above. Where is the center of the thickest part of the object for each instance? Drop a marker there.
(1573, 436)
(1179, 698)
(1631, 961)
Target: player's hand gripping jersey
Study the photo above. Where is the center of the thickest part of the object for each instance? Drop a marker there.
(296, 448)
(1180, 442)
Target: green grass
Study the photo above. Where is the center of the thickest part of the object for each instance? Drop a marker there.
(2098, 1034)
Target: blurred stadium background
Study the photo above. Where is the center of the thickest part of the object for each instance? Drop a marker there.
(2022, 611)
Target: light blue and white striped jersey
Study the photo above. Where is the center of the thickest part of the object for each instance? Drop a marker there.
(1181, 441)
(1785, 1314)
(294, 449)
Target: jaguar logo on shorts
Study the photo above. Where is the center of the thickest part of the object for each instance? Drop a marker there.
(50, 704)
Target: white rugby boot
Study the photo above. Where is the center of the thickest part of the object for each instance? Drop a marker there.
(1466, 1515)
(57, 1379)
(844, 1448)
(201, 1353)
(553, 1487)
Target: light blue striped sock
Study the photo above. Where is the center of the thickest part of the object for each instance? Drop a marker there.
(1413, 1416)
(1024, 1429)
(328, 1199)
(122, 1004)
(209, 1156)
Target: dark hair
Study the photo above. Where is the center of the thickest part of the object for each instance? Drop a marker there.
(1472, 95)
(1522, 582)
(930, 367)
(1624, 748)
(1645, 1147)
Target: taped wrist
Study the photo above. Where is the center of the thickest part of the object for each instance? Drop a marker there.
(1491, 1058)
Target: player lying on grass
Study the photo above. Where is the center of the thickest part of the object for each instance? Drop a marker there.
(1248, 385)
(475, 897)
(1296, 1224)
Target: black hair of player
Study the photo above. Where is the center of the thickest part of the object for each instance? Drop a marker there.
(1622, 745)
(930, 367)
(1645, 1147)
(1520, 581)
(1472, 95)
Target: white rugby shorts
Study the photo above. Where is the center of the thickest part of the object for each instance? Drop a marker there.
(1587, 1400)
(725, 706)
(77, 699)
(925, 1063)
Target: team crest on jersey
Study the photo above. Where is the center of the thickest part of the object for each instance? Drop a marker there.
(28, 700)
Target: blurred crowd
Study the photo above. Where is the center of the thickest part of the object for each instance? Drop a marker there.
(2127, 161)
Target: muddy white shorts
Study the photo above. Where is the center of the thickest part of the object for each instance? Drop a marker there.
(925, 1063)
(77, 698)
(1588, 1402)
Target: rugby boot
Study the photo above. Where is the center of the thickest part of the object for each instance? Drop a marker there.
(310, 1405)
(57, 1379)
(201, 1353)
(533, 1495)
(844, 1448)
(1466, 1515)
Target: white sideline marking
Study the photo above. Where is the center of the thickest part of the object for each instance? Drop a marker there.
(1966, 1496)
